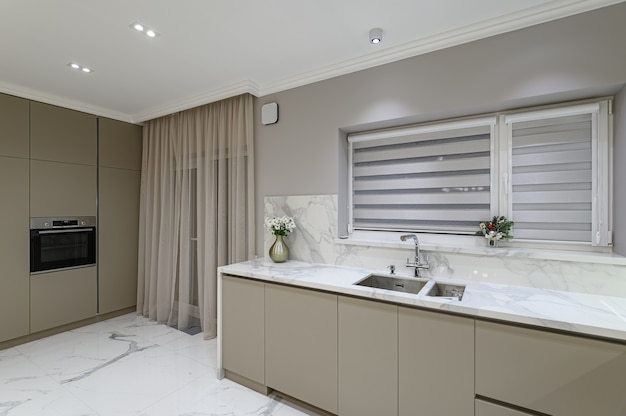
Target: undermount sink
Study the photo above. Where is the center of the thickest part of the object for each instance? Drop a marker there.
(447, 290)
(397, 284)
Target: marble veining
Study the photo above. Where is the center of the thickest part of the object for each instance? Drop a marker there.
(579, 313)
(125, 366)
(315, 240)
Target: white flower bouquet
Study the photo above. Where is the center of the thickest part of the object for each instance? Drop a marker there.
(280, 225)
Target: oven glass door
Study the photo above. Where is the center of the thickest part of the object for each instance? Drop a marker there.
(60, 249)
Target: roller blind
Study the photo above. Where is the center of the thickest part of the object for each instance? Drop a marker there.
(558, 189)
(431, 178)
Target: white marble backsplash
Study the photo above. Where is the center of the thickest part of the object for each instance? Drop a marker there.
(315, 240)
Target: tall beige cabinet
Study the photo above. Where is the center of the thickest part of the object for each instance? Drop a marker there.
(63, 172)
(57, 162)
(14, 240)
(119, 177)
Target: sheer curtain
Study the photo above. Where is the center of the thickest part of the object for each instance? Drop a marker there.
(196, 209)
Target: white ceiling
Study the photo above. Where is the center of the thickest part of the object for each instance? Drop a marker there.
(213, 49)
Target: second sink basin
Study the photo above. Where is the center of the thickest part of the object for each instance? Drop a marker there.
(393, 283)
(447, 290)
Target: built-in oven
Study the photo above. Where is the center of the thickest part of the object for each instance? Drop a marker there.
(62, 243)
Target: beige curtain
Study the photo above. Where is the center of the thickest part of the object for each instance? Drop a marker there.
(196, 209)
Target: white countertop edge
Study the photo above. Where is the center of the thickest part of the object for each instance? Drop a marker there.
(559, 255)
(582, 314)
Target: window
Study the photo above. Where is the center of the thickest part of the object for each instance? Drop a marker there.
(547, 170)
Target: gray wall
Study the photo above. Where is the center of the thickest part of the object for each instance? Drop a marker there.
(577, 57)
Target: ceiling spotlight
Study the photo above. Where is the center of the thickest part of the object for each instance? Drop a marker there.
(141, 28)
(79, 67)
(376, 35)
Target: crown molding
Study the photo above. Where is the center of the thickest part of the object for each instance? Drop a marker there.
(206, 97)
(52, 99)
(532, 16)
(535, 15)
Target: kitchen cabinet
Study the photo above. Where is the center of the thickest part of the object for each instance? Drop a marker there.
(119, 183)
(436, 363)
(301, 344)
(62, 297)
(243, 329)
(62, 189)
(547, 372)
(14, 248)
(490, 409)
(368, 358)
(14, 126)
(61, 135)
(119, 144)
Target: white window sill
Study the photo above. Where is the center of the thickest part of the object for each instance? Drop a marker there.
(470, 245)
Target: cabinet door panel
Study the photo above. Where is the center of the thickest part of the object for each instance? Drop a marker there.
(436, 364)
(62, 189)
(14, 248)
(368, 358)
(243, 327)
(62, 135)
(490, 409)
(14, 125)
(301, 344)
(63, 297)
(552, 373)
(118, 238)
(119, 144)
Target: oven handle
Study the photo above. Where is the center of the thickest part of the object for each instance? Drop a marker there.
(71, 230)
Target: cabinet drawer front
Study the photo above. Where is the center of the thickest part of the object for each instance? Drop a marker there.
(552, 373)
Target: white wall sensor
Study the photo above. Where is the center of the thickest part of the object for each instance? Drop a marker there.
(269, 113)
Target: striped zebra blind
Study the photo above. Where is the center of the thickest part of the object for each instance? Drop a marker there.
(552, 178)
(430, 179)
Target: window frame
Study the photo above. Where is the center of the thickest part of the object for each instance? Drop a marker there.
(501, 168)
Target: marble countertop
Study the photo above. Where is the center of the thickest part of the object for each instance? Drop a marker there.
(579, 313)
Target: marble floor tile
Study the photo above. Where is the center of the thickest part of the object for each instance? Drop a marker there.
(125, 366)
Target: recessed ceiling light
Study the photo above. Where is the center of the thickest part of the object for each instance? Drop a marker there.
(79, 67)
(141, 28)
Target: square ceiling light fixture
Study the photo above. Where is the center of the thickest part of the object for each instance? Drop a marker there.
(143, 29)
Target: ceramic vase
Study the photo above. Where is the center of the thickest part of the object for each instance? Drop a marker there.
(279, 252)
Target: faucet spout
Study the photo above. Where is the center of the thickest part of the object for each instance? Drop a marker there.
(417, 264)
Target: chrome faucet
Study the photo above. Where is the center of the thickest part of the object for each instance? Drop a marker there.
(417, 264)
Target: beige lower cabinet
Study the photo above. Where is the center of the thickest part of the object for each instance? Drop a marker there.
(368, 358)
(62, 297)
(436, 364)
(301, 344)
(557, 374)
(14, 248)
(243, 328)
(489, 409)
